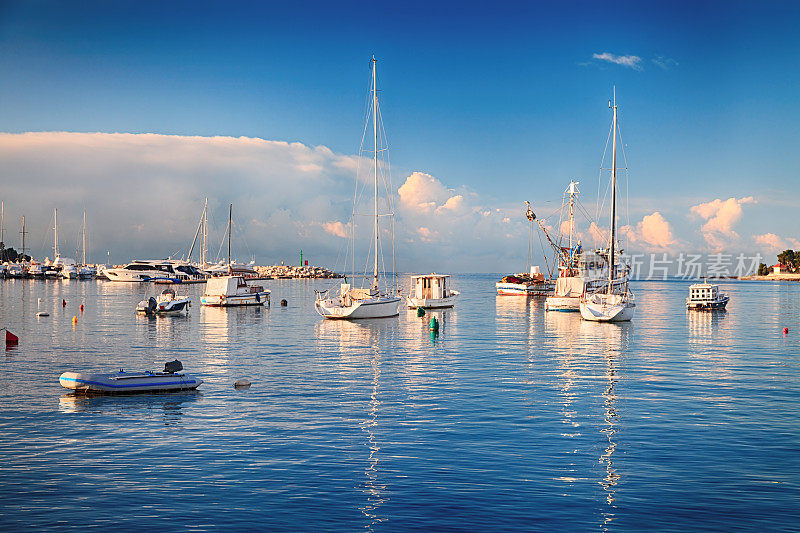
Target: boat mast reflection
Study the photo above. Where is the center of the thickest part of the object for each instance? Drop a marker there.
(610, 415)
(373, 487)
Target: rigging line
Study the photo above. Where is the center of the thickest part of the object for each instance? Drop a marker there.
(627, 177)
(544, 255)
(600, 173)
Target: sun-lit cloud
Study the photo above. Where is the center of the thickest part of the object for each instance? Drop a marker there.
(772, 244)
(721, 216)
(630, 61)
(336, 228)
(653, 233)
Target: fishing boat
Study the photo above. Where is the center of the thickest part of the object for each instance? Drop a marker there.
(705, 297)
(612, 301)
(171, 379)
(233, 290)
(166, 303)
(374, 301)
(533, 282)
(430, 291)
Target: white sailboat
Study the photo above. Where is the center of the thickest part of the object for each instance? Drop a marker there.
(370, 302)
(85, 271)
(613, 301)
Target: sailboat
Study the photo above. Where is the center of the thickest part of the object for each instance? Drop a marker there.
(370, 302)
(613, 301)
(232, 290)
(85, 272)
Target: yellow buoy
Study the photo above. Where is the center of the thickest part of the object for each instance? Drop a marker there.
(74, 320)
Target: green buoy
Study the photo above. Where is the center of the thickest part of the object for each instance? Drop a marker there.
(420, 311)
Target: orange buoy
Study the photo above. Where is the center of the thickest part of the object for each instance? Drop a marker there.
(81, 308)
(74, 320)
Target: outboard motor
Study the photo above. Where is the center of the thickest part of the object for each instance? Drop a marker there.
(152, 304)
(173, 366)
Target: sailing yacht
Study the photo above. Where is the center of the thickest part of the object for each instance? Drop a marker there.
(613, 301)
(369, 302)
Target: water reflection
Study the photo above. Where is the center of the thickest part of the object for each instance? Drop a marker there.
(373, 488)
(168, 405)
(705, 325)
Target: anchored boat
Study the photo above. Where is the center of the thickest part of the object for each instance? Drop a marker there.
(706, 296)
(171, 379)
(167, 303)
(431, 292)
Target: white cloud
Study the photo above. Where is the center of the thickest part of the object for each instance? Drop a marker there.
(772, 244)
(665, 63)
(336, 228)
(721, 216)
(631, 61)
(653, 233)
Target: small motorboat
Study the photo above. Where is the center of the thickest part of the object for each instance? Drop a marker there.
(171, 379)
(228, 291)
(431, 292)
(167, 303)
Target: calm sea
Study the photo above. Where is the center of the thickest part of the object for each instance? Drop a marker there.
(511, 419)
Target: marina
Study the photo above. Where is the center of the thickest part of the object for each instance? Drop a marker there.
(539, 409)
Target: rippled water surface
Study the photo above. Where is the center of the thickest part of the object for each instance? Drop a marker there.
(510, 419)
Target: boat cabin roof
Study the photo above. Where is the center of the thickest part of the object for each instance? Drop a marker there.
(430, 276)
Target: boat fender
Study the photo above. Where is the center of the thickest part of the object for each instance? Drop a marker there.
(242, 383)
(258, 298)
(284, 303)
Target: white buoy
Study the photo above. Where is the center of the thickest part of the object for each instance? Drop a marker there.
(40, 313)
(242, 383)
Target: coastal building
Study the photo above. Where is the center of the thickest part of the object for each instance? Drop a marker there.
(779, 269)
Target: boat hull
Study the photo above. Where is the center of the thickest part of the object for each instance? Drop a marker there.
(524, 289)
(566, 304)
(256, 298)
(607, 312)
(127, 382)
(708, 305)
(432, 303)
(358, 309)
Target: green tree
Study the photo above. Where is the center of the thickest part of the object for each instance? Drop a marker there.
(763, 269)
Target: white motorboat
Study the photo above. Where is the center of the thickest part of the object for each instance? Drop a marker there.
(69, 272)
(152, 270)
(36, 270)
(171, 379)
(431, 292)
(374, 301)
(166, 303)
(230, 291)
(15, 270)
(86, 272)
(613, 301)
(706, 297)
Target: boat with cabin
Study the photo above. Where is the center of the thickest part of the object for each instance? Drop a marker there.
(377, 300)
(430, 291)
(171, 379)
(233, 290)
(706, 297)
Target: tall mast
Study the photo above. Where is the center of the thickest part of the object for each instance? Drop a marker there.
(84, 238)
(23, 237)
(613, 194)
(230, 227)
(375, 135)
(204, 236)
(55, 234)
(2, 231)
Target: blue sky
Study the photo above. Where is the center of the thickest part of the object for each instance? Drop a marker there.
(489, 100)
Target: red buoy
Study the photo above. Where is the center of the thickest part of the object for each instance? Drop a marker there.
(63, 303)
(785, 331)
(11, 339)
(81, 308)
